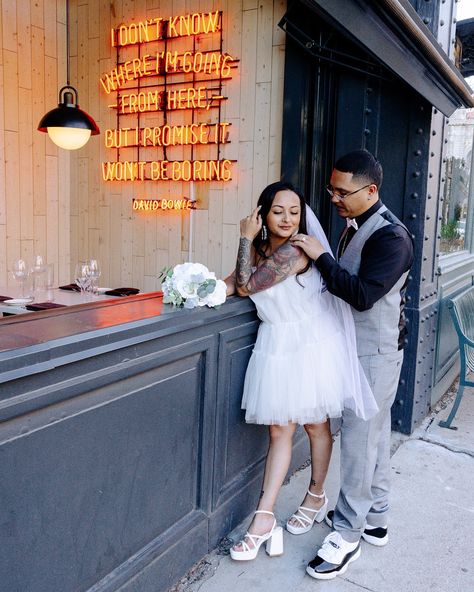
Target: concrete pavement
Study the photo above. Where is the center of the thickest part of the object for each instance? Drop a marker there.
(431, 527)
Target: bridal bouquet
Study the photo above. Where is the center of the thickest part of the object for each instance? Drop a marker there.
(191, 285)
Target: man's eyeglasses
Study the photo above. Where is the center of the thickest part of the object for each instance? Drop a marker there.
(333, 193)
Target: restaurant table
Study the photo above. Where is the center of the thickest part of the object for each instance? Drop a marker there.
(56, 295)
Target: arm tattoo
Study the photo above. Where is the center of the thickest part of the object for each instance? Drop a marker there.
(243, 269)
(285, 261)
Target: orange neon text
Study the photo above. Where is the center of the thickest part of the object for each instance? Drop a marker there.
(159, 28)
(167, 135)
(172, 100)
(168, 170)
(152, 205)
(168, 62)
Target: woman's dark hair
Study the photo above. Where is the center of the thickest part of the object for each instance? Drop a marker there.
(265, 201)
(362, 164)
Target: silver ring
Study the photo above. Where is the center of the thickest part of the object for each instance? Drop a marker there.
(303, 239)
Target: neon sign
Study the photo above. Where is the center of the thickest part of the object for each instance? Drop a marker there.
(152, 205)
(210, 63)
(167, 170)
(181, 92)
(158, 28)
(173, 100)
(167, 135)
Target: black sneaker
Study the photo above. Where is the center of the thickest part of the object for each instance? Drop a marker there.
(375, 535)
(333, 557)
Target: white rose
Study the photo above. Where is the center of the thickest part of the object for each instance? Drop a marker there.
(218, 296)
(186, 288)
(198, 273)
(180, 271)
(191, 302)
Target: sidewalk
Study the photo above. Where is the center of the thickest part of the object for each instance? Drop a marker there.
(431, 529)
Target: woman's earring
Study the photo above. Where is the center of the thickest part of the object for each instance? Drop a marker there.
(264, 232)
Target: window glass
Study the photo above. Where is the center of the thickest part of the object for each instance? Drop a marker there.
(456, 207)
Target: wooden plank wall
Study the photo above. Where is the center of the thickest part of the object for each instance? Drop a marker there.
(34, 174)
(55, 203)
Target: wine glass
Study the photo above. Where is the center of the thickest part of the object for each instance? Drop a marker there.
(82, 276)
(20, 272)
(38, 272)
(94, 274)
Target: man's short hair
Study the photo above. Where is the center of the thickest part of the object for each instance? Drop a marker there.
(362, 164)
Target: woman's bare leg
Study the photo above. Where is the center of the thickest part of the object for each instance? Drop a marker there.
(320, 441)
(276, 468)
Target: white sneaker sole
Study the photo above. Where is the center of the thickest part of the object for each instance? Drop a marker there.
(376, 541)
(372, 540)
(333, 574)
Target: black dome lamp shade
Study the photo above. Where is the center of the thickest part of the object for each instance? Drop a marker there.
(67, 125)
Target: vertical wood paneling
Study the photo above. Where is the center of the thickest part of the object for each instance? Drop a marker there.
(249, 4)
(153, 242)
(12, 182)
(246, 198)
(10, 71)
(9, 22)
(26, 179)
(3, 255)
(3, 205)
(264, 42)
(230, 237)
(279, 9)
(52, 207)
(54, 13)
(37, 13)
(115, 245)
(62, 208)
(261, 136)
(38, 110)
(247, 75)
(126, 242)
(215, 230)
(276, 108)
(24, 45)
(61, 253)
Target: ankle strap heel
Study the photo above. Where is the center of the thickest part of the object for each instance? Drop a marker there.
(274, 546)
(305, 517)
(317, 495)
(251, 542)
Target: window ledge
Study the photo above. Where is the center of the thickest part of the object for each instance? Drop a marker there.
(453, 261)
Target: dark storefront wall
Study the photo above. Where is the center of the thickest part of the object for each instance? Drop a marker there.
(124, 453)
(339, 98)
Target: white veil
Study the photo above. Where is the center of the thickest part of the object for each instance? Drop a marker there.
(361, 400)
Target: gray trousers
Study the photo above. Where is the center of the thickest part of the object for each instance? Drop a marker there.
(365, 453)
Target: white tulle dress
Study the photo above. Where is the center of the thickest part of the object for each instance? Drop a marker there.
(302, 368)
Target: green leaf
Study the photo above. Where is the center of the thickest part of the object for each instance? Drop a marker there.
(165, 272)
(211, 286)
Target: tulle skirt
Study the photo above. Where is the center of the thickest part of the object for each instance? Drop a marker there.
(296, 373)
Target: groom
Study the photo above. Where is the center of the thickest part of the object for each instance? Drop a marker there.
(374, 255)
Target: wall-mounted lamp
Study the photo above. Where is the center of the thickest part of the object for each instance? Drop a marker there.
(67, 125)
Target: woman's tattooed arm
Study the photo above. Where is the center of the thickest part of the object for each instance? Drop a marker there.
(287, 260)
(243, 269)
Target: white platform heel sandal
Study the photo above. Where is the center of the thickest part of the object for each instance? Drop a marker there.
(274, 539)
(305, 522)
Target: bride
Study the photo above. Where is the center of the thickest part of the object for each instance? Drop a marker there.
(304, 367)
